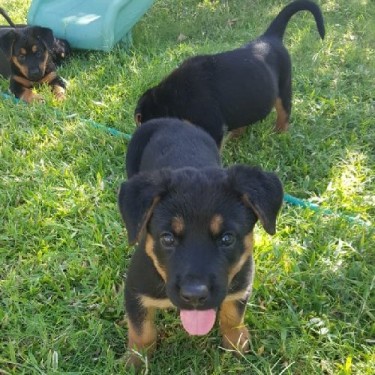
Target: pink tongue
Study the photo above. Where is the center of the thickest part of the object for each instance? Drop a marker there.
(197, 322)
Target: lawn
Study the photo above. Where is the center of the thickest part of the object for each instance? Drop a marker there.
(63, 247)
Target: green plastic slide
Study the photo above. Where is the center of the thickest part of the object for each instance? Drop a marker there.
(89, 24)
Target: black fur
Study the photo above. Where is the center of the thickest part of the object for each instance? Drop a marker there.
(28, 60)
(174, 172)
(60, 49)
(231, 89)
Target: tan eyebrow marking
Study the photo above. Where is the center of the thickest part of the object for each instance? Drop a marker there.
(178, 225)
(216, 224)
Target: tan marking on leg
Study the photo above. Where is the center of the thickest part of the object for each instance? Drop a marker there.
(216, 224)
(248, 251)
(282, 117)
(59, 92)
(178, 225)
(235, 334)
(237, 133)
(48, 77)
(28, 96)
(23, 81)
(149, 247)
(142, 341)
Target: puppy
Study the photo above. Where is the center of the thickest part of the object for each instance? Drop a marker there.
(231, 89)
(28, 54)
(193, 221)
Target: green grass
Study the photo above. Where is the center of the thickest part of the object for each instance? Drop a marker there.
(63, 248)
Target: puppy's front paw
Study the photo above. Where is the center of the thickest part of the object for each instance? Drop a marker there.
(236, 339)
(30, 97)
(138, 358)
(59, 93)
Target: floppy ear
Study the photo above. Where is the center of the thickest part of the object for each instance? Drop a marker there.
(137, 199)
(6, 42)
(261, 191)
(44, 34)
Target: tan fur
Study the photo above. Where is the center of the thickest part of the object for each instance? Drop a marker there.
(23, 81)
(248, 251)
(282, 117)
(178, 225)
(28, 96)
(216, 224)
(59, 92)
(235, 334)
(156, 302)
(143, 340)
(236, 133)
(48, 78)
(23, 69)
(149, 247)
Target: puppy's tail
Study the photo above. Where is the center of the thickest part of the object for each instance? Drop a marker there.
(5, 15)
(278, 25)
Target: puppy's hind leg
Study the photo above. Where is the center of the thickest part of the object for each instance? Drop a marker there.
(283, 106)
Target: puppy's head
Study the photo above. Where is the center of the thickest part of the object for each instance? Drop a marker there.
(148, 108)
(28, 50)
(61, 51)
(196, 226)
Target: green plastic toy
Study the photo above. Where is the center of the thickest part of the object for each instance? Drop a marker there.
(89, 24)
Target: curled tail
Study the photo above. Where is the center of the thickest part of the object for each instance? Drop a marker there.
(278, 25)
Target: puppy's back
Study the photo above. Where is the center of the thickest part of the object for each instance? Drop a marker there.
(170, 143)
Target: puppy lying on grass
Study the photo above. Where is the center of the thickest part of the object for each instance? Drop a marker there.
(29, 55)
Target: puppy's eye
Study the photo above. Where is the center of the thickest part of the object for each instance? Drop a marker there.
(21, 58)
(227, 239)
(167, 240)
(38, 53)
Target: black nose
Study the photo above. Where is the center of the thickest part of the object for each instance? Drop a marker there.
(194, 293)
(34, 73)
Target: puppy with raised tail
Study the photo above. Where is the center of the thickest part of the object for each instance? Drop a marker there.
(232, 89)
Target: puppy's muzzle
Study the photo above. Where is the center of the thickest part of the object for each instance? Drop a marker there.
(35, 74)
(194, 293)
